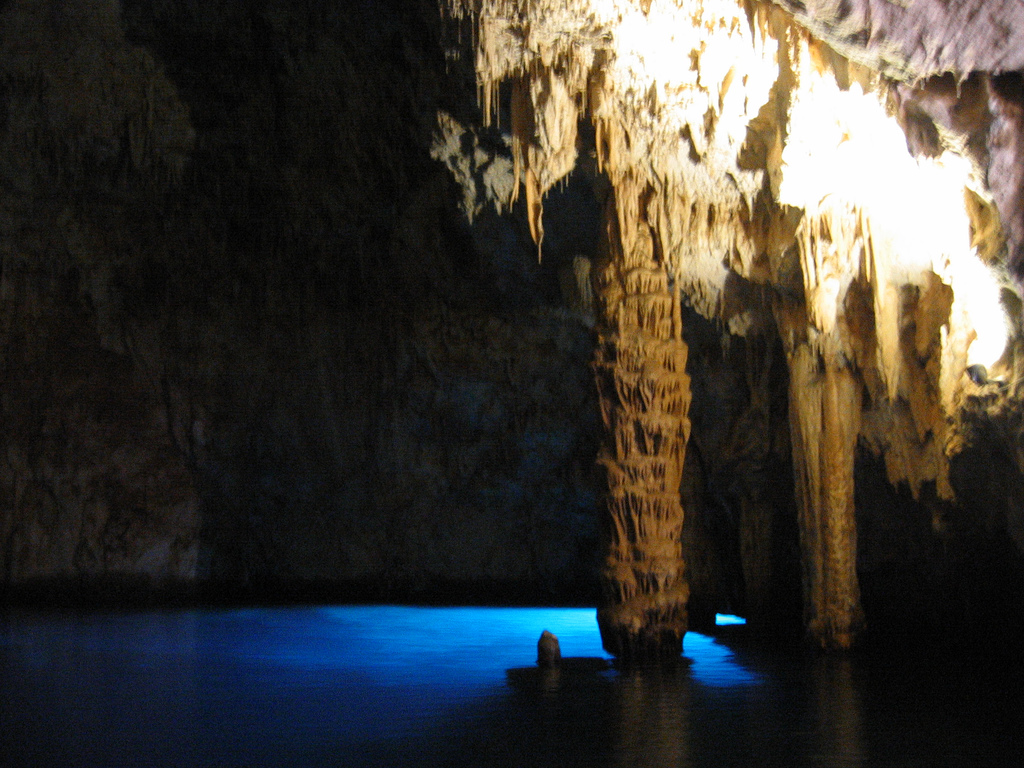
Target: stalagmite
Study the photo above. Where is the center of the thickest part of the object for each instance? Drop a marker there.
(645, 395)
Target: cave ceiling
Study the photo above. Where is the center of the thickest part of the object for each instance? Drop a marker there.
(845, 173)
(912, 40)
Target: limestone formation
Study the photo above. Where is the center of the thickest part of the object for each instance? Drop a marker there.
(644, 391)
(243, 340)
(740, 147)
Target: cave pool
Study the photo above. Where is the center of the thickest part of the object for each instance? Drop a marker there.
(426, 686)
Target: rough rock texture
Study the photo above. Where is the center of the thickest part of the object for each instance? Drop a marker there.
(740, 540)
(645, 396)
(824, 424)
(918, 39)
(93, 483)
(935, 48)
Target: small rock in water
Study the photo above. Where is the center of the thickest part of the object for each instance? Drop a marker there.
(549, 654)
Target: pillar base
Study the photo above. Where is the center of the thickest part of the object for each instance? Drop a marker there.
(653, 637)
(841, 634)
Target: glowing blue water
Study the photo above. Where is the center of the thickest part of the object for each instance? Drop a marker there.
(401, 686)
(727, 619)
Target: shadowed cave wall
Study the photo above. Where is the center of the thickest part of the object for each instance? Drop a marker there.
(251, 342)
(248, 339)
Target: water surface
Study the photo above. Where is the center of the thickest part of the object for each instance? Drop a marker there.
(408, 686)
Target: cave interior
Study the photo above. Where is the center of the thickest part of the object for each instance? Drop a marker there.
(672, 307)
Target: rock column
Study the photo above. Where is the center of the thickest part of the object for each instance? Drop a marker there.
(644, 392)
(825, 406)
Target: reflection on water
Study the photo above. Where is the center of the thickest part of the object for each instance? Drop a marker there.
(712, 663)
(394, 686)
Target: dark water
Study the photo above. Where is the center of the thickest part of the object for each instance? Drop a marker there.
(396, 686)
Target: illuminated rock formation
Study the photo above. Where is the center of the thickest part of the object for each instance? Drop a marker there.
(742, 150)
(645, 395)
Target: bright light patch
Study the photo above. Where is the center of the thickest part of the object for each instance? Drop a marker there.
(727, 619)
(977, 292)
(844, 153)
(874, 210)
(471, 645)
(687, 68)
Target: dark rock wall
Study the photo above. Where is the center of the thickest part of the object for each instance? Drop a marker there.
(248, 339)
(740, 536)
(92, 482)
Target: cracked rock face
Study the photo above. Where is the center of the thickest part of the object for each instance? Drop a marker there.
(858, 162)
